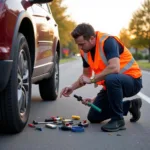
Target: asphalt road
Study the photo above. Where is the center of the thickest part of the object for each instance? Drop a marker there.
(136, 137)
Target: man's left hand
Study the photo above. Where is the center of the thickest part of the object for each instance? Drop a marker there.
(85, 79)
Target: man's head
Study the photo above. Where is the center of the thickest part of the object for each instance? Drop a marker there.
(84, 36)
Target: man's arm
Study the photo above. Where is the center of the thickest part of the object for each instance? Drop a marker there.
(113, 67)
(86, 72)
(112, 50)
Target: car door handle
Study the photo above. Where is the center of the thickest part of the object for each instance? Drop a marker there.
(47, 17)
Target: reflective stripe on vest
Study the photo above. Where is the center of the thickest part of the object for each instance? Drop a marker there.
(127, 66)
(103, 57)
(101, 49)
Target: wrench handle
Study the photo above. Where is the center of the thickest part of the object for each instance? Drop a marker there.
(94, 107)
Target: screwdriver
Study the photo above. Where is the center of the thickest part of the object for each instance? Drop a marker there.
(79, 98)
(35, 122)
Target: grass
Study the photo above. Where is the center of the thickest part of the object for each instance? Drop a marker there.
(64, 60)
(144, 65)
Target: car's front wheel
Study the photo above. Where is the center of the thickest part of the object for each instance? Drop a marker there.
(16, 98)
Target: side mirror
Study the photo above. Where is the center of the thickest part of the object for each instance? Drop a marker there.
(39, 1)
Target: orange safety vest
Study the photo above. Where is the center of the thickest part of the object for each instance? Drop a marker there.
(128, 65)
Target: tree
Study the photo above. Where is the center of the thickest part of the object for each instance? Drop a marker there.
(65, 24)
(125, 37)
(140, 26)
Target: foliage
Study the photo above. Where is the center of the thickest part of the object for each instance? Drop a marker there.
(138, 56)
(125, 37)
(65, 25)
(140, 27)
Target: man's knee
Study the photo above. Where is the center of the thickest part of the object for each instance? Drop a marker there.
(90, 117)
(111, 80)
(93, 118)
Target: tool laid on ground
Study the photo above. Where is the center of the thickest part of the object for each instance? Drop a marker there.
(54, 119)
(75, 117)
(31, 125)
(77, 129)
(70, 121)
(79, 98)
(35, 127)
(35, 122)
(72, 128)
(84, 123)
(38, 128)
(59, 118)
(51, 126)
(65, 124)
(49, 120)
(65, 128)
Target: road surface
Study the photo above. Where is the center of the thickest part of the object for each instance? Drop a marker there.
(136, 137)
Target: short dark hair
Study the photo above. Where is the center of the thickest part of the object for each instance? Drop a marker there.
(83, 29)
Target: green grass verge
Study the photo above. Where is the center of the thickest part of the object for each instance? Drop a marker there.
(65, 60)
(144, 65)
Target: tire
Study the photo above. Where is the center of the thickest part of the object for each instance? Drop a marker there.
(15, 100)
(49, 87)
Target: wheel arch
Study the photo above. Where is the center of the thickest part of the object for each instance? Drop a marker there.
(25, 25)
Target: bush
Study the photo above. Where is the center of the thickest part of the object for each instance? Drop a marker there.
(146, 57)
(138, 56)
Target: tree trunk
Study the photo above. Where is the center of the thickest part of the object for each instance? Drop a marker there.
(136, 54)
(136, 51)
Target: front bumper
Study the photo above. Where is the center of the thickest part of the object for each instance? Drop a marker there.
(5, 70)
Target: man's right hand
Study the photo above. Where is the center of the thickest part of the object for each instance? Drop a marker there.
(87, 100)
(66, 91)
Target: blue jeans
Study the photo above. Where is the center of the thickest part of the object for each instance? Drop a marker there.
(111, 101)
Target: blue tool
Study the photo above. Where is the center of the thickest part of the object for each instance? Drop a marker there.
(77, 129)
(38, 128)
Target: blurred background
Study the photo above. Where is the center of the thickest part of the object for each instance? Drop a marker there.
(129, 20)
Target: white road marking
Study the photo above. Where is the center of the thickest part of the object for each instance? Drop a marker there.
(146, 72)
(144, 97)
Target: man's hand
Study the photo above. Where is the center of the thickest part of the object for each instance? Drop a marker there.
(87, 100)
(85, 80)
(66, 91)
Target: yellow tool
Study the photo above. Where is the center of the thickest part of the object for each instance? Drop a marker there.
(75, 117)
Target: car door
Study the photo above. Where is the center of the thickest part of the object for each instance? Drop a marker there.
(44, 40)
(53, 29)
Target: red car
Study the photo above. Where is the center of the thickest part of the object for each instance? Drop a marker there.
(29, 53)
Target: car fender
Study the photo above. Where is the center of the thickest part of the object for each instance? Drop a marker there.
(21, 16)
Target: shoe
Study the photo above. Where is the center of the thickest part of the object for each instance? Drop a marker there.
(136, 104)
(114, 125)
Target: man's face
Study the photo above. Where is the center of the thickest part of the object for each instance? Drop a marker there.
(85, 45)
